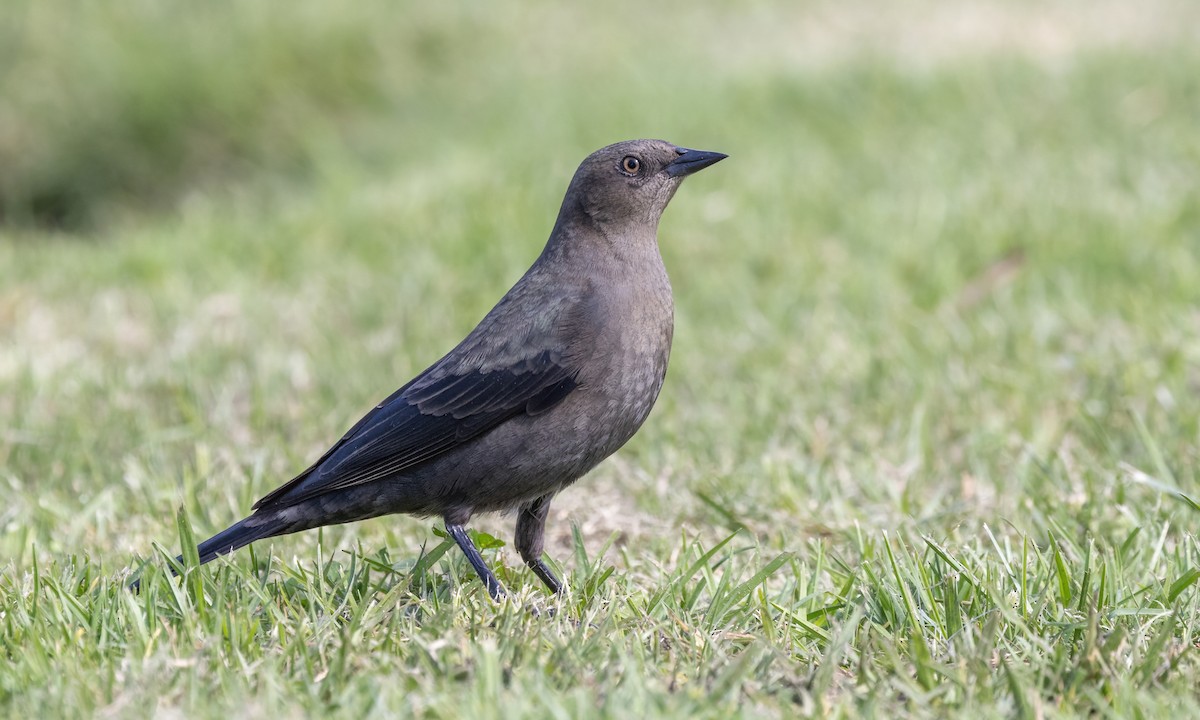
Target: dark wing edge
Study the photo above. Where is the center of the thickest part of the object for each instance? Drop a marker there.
(430, 416)
(284, 488)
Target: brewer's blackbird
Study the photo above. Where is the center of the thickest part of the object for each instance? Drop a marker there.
(561, 373)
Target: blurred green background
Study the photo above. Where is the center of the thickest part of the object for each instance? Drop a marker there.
(944, 288)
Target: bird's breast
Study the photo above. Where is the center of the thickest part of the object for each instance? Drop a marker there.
(628, 361)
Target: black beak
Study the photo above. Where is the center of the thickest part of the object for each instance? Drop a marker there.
(690, 161)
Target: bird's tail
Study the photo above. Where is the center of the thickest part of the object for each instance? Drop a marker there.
(237, 535)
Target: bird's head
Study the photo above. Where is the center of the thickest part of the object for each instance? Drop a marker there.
(630, 183)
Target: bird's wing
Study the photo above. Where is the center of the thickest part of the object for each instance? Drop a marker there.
(451, 403)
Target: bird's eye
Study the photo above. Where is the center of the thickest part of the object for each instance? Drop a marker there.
(631, 165)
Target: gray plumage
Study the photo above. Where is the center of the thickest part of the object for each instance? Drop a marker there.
(557, 377)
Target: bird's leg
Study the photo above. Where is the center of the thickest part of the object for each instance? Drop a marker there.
(531, 530)
(459, 533)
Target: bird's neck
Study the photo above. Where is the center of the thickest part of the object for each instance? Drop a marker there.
(587, 242)
(581, 231)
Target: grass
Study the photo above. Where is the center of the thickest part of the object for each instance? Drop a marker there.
(928, 444)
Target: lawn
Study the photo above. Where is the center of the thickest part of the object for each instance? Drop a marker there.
(930, 440)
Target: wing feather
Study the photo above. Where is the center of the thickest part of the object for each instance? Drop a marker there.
(432, 415)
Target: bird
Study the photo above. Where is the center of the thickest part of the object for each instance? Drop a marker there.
(555, 378)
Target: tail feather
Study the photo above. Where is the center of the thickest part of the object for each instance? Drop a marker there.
(236, 536)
